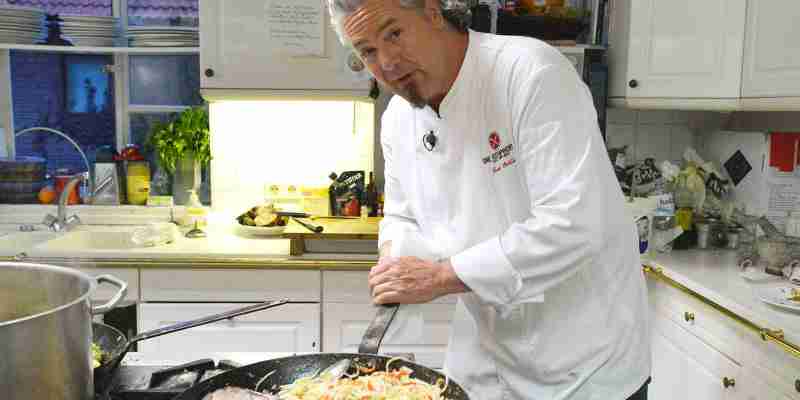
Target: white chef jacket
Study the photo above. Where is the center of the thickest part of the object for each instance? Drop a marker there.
(519, 193)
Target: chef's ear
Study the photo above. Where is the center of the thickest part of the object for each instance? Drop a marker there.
(433, 10)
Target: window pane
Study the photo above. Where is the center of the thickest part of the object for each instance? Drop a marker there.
(98, 8)
(70, 93)
(163, 12)
(165, 80)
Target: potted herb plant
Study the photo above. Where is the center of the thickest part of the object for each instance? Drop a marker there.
(182, 146)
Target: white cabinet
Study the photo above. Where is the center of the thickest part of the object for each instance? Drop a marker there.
(772, 51)
(348, 310)
(684, 367)
(229, 285)
(344, 326)
(288, 328)
(677, 48)
(238, 53)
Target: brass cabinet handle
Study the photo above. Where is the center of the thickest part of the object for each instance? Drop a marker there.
(728, 382)
(688, 316)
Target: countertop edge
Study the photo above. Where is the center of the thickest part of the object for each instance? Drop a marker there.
(731, 305)
(204, 263)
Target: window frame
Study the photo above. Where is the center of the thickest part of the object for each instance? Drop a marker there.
(121, 81)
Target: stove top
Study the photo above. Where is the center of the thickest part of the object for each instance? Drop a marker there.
(151, 377)
(145, 376)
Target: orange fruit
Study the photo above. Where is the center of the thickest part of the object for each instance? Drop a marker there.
(47, 195)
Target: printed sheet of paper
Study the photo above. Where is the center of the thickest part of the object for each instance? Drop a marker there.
(784, 195)
(296, 27)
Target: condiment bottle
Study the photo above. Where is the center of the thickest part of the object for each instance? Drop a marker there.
(138, 182)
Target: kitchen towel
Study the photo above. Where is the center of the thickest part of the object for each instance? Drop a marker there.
(409, 322)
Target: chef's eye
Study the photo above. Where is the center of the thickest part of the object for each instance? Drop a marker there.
(368, 54)
(394, 35)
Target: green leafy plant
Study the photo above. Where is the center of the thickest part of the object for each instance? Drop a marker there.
(187, 134)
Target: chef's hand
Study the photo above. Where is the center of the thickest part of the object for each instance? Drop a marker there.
(410, 280)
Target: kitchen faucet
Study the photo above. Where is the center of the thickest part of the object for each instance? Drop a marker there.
(61, 222)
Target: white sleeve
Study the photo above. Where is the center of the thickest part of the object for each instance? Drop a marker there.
(562, 158)
(398, 218)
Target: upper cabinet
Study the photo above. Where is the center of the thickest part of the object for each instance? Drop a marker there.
(284, 47)
(772, 51)
(724, 55)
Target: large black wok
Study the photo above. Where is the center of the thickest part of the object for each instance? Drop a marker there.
(113, 343)
(286, 370)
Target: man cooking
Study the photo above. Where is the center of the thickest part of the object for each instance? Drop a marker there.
(494, 156)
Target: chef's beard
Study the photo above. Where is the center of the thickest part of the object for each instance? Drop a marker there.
(411, 95)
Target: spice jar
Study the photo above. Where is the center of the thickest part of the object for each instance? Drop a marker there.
(138, 182)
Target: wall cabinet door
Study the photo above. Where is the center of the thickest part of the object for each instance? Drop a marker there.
(684, 367)
(288, 328)
(240, 50)
(772, 51)
(685, 48)
(345, 325)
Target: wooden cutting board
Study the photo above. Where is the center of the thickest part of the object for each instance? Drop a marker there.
(333, 229)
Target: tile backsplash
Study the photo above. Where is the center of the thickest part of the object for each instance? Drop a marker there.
(663, 135)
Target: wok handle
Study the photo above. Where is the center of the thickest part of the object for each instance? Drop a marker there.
(206, 320)
(371, 342)
(122, 290)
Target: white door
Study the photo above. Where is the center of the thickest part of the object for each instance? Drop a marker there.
(245, 45)
(686, 48)
(288, 328)
(345, 325)
(772, 51)
(757, 388)
(686, 368)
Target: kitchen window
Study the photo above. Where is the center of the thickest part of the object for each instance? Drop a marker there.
(97, 99)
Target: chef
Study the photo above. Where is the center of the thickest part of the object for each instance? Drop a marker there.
(494, 156)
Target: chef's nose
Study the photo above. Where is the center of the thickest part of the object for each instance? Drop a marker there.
(388, 57)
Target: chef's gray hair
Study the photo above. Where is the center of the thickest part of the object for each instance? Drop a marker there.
(455, 12)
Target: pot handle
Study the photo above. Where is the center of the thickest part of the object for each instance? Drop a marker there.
(123, 290)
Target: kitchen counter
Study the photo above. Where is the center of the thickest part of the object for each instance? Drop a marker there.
(222, 248)
(715, 275)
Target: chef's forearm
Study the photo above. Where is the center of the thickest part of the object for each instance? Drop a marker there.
(449, 283)
(385, 250)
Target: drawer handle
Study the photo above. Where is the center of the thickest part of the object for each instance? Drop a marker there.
(797, 385)
(728, 382)
(633, 84)
(688, 316)
(209, 72)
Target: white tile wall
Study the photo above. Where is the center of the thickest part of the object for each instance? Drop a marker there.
(663, 135)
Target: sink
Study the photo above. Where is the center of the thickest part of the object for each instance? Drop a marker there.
(14, 243)
(78, 241)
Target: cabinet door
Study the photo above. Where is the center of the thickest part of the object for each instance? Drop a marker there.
(345, 325)
(772, 51)
(686, 368)
(759, 386)
(686, 48)
(288, 328)
(238, 52)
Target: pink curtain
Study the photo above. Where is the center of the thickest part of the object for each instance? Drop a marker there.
(100, 8)
(163, 8)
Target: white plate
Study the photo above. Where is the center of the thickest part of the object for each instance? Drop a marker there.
(261, 230)
(777, 297)
(755, 274)
(160, 29)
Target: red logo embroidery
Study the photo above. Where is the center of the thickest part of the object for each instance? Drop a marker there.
(494, 140)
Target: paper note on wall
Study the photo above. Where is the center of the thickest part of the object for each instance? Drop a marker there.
(296, 27)
(784, 194)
